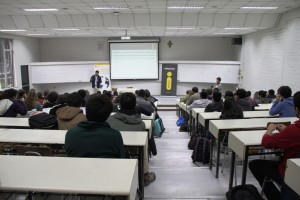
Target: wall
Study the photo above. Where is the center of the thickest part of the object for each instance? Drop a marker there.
(271, 58)
(26, 50)
(93, 49)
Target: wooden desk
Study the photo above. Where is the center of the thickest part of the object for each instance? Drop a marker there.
(292, 174)
(195, 113)
(216, 127)
(113, 177)
(14, 122)
(263, 106)
(37, 136)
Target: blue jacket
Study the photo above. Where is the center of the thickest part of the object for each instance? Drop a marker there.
(92, 79)
(285, 108)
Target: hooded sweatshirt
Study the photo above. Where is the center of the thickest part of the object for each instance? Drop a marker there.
(11, 108)
(245, 104)
(94, 140)
(68, 117)
(200, 103)
(288, 140)
(285, 108)
(214, 107)
(125, 122)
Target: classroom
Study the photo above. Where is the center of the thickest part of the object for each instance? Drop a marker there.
(173, 49)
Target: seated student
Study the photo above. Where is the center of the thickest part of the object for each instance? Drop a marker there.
(142, 103)
(10, 106)
(231, 109)
(262, 97)
(288, 139)
(69, 116)
(194, 97)
(109, 96)
(62, 101)
(253, 102)
(242, 101)
(31, 101)
(187, 96)
(283, 105)
(51, 100)
(82, 93)
(210, 92)
(95, 138)
(21, 94)
(271, 94)
(228, 94)
(40, 98)
(200, 103)
(127, 120)
(149, 97)
(217, 103)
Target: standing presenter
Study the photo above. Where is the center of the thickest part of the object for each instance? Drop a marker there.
(96, 81)
(218, 85)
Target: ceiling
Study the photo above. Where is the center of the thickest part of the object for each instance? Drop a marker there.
(142, 18)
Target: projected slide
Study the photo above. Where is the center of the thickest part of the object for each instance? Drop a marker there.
(134, 60)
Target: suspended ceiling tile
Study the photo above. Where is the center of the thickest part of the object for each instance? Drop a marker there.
(20, 21)
(269, 20)
(174, 19)
(158, 19)
(142, 19)
(64, 21)
(237, 20)
(110, 20)
(221, 20)
(126, 20)
(79, 20)
(253, 20)
(189, 19)
(35, 21)
(6, 22)
(205, 20)
(95, 20)
(50, 21)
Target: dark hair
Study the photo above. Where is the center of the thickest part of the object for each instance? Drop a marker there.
(271, 92)
(108, 94)
(241, 93)
(217, 96)
(248, 94)
(127, 101)
(209, 91)
(228, 94)
(285, 91)
(141, 93)
(63, 98)
(52, 97)
(96, 71)
(74, 99)
(187, 92)
(297, 100)
(195, 89)
(136, 92)
(231, 110)
(98, 108)
(9, 94)
(203, 95)
(219, 79)
(46, 92)
(21, 93)
(82, 93)
(147, 93)
(262, 93)
(39, 95)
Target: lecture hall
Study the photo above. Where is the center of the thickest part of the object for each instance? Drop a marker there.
(149, 99)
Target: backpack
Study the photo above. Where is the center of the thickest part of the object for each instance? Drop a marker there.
(180, 121)
(201, 152)
(247, 191)
(192, 142)
(158, 129)
(43, 121)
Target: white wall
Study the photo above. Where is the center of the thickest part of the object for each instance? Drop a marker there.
(26, 50)
(271, 58)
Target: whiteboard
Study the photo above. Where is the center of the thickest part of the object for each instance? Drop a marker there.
(65, 72)
(208, 71)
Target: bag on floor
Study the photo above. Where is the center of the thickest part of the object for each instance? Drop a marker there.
(247, 191)
(180, 121)
(43, 121)
(201, 151)
(152, 146)
(158, 127)
(192, 142)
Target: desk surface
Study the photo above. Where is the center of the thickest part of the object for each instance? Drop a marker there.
(69, 175)
(36, 136)
(196, 111)
(14, 121)
(238, 140)
(292, 174)
(256, 123)
(263, 106)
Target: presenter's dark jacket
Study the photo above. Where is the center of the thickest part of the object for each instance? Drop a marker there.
(93, 81)
(94, 140)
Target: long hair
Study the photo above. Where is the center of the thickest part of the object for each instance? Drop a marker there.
(31, 99)
(231, 110)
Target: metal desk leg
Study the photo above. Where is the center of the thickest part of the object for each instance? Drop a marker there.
(218, 157)
(231, 169)
(197, 124)
(245, 166)
(211, 152)
(141, 170)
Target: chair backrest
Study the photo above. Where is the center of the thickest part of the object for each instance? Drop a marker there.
(33, 150)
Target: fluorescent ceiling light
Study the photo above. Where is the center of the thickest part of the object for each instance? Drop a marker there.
(12, 30)
(127, 33)
(237, 28)
(66, 29)
(224, 33)
(118, 28)
(125, 38)
(111, 8)
(180, 28)
(185, 7)
(259, 7)
(82, 34)
(37, 34)
(40, 9)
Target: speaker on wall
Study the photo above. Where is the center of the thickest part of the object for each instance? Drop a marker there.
(237, 41)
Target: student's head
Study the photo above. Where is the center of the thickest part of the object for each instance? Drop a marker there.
(21, 94)
(209, 91)
(271, 92)
(9, 94)
(128, 101)
(98, 108)
(46, 92)
(97, 72)
(62, 99)
(195, 90)
(285, 91)
(248, 94)
(262, 94)
(74, 99)
(136, 92)
(31, 96)
(52, 97)
(231, 110)
(39, 95)
(187, 92)
(217, 96)
(141, 93)
(241, 93)
(82, 93)
(108, 94)
(297, 103)
(147, 93)
(203, 95)
(218, 80)
(228, 94)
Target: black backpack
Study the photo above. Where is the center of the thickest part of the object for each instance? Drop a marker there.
(247, 192)
(43, 121)
(201, 152)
